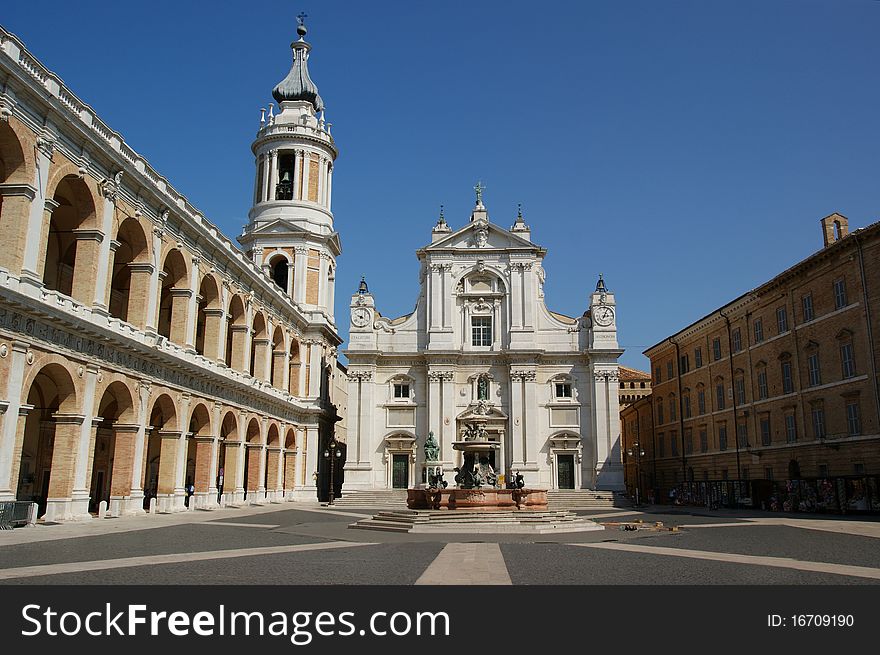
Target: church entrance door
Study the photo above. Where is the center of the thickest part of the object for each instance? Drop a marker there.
(400, 472)
(565, 471)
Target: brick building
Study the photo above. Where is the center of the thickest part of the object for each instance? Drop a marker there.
(773, 399)
(143, 355)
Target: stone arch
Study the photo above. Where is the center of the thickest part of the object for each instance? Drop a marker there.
(197, 469)
(253, 456)
(130, 278)
(15, 169)
(276, 372)
(280, 267)
(236, 333)
(259, 346)
(209, 314)
(72, 247)
(162, 444)
(288, 482)
(294, 367)
(273, 436)
(113, 450)
(45, 469)
(174, 297)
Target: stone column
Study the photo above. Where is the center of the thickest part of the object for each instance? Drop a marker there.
(517, 438)
(254, 479)
(273, 173)
(300, 263)
(214, 333)
(138, 469)
(109, 190)
(273, 468)
(85, 447)
(310, 443)
(68, 428)
(89, 251)
(18, 201)
(169, 447)
(297, 158)
(125, 440)
(315, 352)
(205, 493)
(307, 160)
(154, 293)
(39, 215)
(139, 294)
(180, 303)
(290, 481)
(192, 308)
(530, 409)
(329, 186)
(11, 437)
(434, 406)
(264, 188)
(447, 420)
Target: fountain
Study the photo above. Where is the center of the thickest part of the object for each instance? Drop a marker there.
(477, 486)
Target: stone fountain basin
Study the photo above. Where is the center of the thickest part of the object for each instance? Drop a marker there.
(484, 499)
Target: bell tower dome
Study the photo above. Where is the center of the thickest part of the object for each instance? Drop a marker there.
(290, 230)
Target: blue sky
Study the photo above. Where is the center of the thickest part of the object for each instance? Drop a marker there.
(686, 150)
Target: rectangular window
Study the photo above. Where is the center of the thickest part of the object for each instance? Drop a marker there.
(660, 420)
(815, 373)
(688, 442)
(807, 307)
(768, 473)
(740, 391)
(657, 376)
(762, 383)
(701, 401)
(781, 320)
(759, 330)
(687, 406)
(742, 435)
(765, 431)
(790, 428)
(673, 442)
(704, 441)
(723, 474)
(847, 360)
(853, 418)
(669, 370)
(737, 340)
(401, 391)
(661, 444)
(840, 293)
(818, 415)
(716, 348)
(719, 396)
(722, 437)
(563, 390)
(859, 468)
(684, 365)
(698, 357)
(672, 409)
(481, 330)
(823, 470)
(787, 386)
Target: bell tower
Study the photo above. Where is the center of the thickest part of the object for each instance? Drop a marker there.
(290, 232)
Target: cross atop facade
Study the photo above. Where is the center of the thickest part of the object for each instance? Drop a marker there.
(301, 17)
(479, 188)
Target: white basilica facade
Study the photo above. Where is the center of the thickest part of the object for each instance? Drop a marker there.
(481, 344)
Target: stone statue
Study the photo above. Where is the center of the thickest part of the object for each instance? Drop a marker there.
(432, 449)
(483, 389)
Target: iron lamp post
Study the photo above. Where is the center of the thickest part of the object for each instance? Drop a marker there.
(636, 449)
(331, 454)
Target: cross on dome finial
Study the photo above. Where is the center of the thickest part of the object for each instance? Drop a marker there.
(301, 24)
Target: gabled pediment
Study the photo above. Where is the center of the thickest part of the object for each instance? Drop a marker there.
(482, 235)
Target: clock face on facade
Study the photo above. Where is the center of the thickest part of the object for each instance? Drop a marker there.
(360, 316)
(604, 316)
